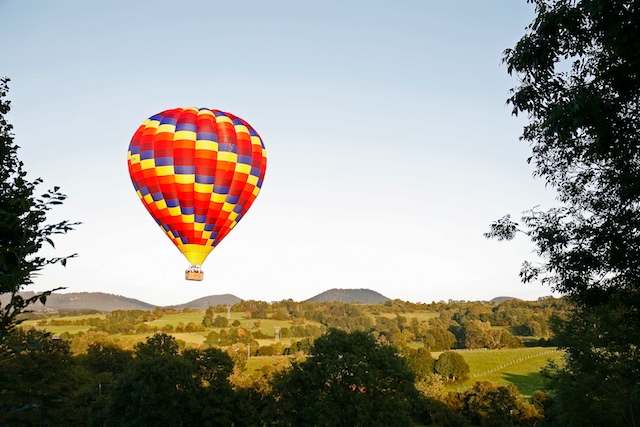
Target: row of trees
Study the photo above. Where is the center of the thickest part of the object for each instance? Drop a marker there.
(459, 325)
(525, 317)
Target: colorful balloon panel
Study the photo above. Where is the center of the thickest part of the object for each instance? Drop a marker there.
(197, 172)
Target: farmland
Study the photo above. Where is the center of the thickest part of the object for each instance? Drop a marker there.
(519, 366)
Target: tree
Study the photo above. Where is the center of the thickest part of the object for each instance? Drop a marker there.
(162, 387)
(432, 386)
(597, 383)
(579, 71)
(349, 381)
(37, 380)
(578, 66)
(437, 339)
(220, 322)
(420, 362)
(452, 367)
(103, 365)
(23, 225)
(486, 404)
(158, 345)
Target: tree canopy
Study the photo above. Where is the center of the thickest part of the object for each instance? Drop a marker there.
(578, 67)
(23, 224)
(579, 72)
(346, 367)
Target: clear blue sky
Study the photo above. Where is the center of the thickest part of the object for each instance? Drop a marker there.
(390, 147)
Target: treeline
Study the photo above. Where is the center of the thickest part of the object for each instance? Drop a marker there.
(349, 379)
(468, 325)
(126, 322)
(451, 325)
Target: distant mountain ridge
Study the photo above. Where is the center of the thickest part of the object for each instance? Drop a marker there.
(109, 302)
(88, 301)
(213, 300)
(501, 299)
(362, 296)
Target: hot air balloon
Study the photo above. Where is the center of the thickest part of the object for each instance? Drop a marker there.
(197, 171)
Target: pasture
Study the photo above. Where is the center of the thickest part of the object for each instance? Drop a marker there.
(518, 366)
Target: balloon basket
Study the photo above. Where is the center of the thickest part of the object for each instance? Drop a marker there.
(195, 274)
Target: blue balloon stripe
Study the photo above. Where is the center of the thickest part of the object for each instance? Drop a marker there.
(186, 126)
(185, 169)
(168, 120)
(172, 203)
(147, 154)
(207, 136)
(245, 159)
(219, 189)
(205, 179)
(228, 147)
(187, 210)
(164, 161)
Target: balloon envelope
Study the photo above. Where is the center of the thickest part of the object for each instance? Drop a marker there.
(197, 171)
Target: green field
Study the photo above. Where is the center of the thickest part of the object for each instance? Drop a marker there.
(519, 366)
(180, 317)
(72, 329)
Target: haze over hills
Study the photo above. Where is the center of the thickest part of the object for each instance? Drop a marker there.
(204, 302)
(362, 296)
(108, 302)
(88, 301)
(501, 299)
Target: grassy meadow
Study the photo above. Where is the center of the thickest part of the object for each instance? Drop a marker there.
(518, 366)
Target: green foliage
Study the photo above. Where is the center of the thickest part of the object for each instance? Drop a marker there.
(486, 404)
(23, 225)
(578, 67)
(107, 358)
(280, 315)
(437, 339)
(346, 367)
(37, 380)
(420, 362)
(162, 387)
(208, 322)
(228, 337)
(598, 383)
(220, 322)
(433, 412)
(452, 366)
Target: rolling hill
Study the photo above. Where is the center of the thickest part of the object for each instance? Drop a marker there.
(88, 301)
(204, 302)
(362, 296)
(108, 302)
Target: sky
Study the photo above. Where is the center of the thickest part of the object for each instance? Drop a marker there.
(390, 145)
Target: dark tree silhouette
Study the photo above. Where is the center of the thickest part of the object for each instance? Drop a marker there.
(579, 70)
(349, 380)
(23, 225)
